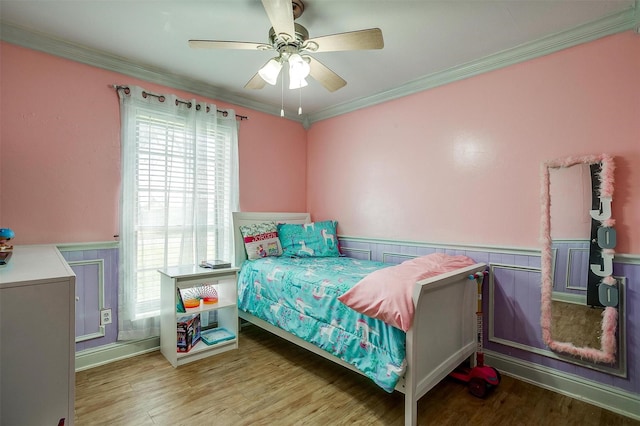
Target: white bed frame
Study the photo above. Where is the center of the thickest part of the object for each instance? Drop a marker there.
(443, 334)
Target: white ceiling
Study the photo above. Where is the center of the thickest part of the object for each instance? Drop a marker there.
(427, 43)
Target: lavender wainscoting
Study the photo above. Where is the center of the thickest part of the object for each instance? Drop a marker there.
(514, 292)
(94, 266)
(511, 301)
(89, 278)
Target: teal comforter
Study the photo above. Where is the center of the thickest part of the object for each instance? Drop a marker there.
(299, 295)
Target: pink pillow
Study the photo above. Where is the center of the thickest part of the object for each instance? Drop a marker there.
(386, 294)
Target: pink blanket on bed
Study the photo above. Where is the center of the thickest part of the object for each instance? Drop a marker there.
(386, 294)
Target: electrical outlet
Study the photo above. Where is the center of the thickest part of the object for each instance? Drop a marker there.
(105, 316)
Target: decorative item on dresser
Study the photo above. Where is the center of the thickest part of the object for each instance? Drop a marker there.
(443, 308)
(6, 250)
(37, 338)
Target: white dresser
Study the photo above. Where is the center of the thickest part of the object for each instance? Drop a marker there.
(37, 338)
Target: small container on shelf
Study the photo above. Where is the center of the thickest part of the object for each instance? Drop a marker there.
(217, 335)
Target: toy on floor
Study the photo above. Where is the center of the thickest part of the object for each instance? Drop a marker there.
(481, 378)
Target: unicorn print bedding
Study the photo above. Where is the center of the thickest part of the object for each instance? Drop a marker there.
(300, 295)
(310, 296)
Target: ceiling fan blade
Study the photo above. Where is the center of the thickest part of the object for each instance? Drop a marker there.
(256, 82)
(329, 79)
(354, 40)
(280, 13)
(216, 44)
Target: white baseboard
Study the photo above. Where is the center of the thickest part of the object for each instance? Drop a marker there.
(598, 394)
(105, 354)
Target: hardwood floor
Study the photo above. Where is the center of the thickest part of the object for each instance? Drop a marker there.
(269, 381)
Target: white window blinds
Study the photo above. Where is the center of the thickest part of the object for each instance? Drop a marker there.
(180, 186)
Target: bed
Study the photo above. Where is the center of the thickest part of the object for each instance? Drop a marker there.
(441, 335)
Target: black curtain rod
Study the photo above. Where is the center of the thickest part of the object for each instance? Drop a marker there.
(189, 104)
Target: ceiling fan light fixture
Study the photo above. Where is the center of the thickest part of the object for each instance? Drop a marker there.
(292, 44)
(269, 72)
(297, 83)
(299, 69)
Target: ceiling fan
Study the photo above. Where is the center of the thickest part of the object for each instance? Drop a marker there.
(292, 44)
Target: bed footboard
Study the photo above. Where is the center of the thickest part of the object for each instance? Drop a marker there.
(443, 334)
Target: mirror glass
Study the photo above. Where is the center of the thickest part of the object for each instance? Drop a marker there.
(570, 202)
(570, 192)
(577, 258)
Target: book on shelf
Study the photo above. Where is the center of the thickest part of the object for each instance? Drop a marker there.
(180, 303)
(215, 264)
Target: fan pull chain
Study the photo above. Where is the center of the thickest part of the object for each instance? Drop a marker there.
(281, 94)
(300, 101)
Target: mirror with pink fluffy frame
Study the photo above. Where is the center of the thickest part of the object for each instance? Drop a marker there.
(606, 351)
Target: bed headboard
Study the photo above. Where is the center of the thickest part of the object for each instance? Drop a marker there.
(247, 218)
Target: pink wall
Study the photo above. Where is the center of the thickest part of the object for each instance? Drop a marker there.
(460, 163)
(60, 146)
(405, 169)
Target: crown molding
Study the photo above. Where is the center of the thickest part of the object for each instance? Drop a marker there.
(104, 60)
(608, 25)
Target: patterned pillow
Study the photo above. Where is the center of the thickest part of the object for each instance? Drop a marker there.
(261, 240)
(316, 239)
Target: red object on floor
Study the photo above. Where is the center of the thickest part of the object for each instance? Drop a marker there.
(480, 378)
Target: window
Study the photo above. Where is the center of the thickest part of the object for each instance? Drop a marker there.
(179, 189)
